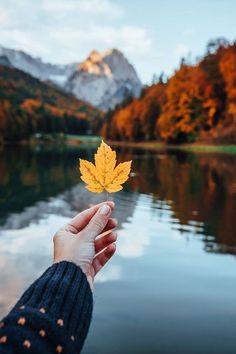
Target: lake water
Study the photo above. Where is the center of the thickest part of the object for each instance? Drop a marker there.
(171, 287)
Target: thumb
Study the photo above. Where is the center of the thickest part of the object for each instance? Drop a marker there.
(97, 223)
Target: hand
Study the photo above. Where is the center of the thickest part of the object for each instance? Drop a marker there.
(77, 241)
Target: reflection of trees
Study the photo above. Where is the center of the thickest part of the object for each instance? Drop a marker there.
(29, 176)
(28, 179)
(202, 189)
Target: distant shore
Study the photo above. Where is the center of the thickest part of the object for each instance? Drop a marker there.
(56, 139)
(195, 147)
(77, 140)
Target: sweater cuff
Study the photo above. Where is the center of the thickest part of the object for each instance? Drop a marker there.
(62, 293)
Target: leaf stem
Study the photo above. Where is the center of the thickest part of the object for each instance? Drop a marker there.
(107, 196)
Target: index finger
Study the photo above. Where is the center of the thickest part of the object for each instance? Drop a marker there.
(83, 218)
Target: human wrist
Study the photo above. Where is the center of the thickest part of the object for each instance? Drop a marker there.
(86, 270)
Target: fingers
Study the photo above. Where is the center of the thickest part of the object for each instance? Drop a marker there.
(101, 259)
(111, 224)
(82, 219)
(97, 223)
(105, 241)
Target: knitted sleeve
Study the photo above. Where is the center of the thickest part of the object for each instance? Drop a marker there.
(52, 316)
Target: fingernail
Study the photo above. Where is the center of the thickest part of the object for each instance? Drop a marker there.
(112, 204)
(104, 210)
(115, 221)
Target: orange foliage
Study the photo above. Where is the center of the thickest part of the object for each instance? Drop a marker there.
(190, 105)
(137, 120)
(56, 111)
(30, 105)
(4, 107)
(228, 69)
(197, 102)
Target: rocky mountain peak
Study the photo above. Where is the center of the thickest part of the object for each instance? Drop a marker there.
(95, 65)
(113, 51)
(104, 79)
(94, 56)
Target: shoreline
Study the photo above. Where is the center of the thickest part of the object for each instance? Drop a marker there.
(158, 146)
(81, 140)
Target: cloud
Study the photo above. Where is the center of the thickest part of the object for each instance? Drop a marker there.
(130, 39)
(65, 30)
(91, 7)
(62, 31)
(4, 18)
(23, 40)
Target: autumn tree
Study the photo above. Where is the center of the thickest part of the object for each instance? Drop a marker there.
(227, 66)
(197, 102)
(190, 106)
(28, 106)
(137, 120)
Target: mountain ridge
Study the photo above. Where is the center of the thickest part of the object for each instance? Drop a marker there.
(102, 79)
(29, 106)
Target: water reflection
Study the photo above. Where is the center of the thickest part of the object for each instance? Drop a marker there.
(199, 189)
(177, 219)
(131, 236)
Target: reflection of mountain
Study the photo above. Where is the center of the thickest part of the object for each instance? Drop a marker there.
(200, 190)
(36, 184)
(67, 204)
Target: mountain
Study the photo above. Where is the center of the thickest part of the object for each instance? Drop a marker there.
(197, 103)
(29, 106)
(36, 67)
(4, 60)
(103, 79)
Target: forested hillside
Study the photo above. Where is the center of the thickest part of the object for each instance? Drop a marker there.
(29, 106)
(198, 103)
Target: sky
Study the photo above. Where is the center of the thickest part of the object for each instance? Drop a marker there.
(153, 34)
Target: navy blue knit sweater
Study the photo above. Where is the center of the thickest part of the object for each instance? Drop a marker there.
(52, 316)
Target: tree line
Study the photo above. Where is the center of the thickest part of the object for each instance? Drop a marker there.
(29, 106)
(197, 103)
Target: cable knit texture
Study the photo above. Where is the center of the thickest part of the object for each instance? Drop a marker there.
(52, 316)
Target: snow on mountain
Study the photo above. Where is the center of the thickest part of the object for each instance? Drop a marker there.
(35, 66)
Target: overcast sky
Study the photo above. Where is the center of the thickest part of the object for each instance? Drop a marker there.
(153, 34)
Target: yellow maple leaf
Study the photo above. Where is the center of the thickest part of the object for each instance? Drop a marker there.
(104, 174)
